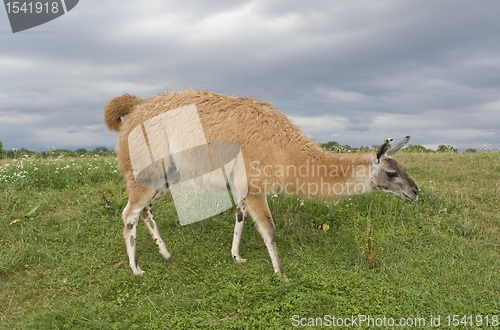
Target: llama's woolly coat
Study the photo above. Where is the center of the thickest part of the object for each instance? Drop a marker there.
(266, 136)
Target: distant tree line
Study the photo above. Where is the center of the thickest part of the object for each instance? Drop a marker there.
(335, 147)
(332, 146)
(338, 148)
(17, 153)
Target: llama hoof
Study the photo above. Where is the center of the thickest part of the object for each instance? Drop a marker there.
(138, 272)
(239, 259)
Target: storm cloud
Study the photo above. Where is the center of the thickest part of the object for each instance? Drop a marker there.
(355, 72)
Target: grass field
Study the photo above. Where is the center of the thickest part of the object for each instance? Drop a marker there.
(63, 263)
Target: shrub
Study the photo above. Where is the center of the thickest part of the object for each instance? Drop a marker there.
(417, 148)
(335, 147)
(101, 150)
(446, 148)
(17, 153)
(81, 151)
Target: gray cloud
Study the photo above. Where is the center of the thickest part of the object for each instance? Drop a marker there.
(354, 72)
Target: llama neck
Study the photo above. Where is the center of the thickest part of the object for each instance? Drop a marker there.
(315, 172)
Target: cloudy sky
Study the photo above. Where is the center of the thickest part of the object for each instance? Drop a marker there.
(355, 72)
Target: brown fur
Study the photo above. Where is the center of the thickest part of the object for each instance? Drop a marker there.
(117, 108)
(263, 133)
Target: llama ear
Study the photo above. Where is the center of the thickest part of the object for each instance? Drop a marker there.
(397, 147)
(383, 149)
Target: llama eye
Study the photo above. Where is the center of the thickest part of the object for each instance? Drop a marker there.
(391, 174)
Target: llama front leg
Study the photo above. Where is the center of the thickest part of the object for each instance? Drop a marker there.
(131, 218)
(259, 210)
(241, 213)
(147, 216)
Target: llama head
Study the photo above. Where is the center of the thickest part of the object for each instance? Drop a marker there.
(389, 176)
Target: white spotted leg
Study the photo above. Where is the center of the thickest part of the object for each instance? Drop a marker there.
(130, 218)
(241, 213)
(147, 216)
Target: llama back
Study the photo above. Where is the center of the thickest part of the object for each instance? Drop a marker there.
(265, 136)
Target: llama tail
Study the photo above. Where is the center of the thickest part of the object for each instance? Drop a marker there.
(119, 107)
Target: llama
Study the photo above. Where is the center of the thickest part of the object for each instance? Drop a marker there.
(277, 156)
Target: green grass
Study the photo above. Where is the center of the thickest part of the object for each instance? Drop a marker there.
(63, 265)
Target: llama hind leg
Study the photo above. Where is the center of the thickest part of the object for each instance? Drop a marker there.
(259, 210)
(241, 213)
(147, 216)
(138, 200)
(130, 218)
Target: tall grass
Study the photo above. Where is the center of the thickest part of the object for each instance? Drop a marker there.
(63, 263)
